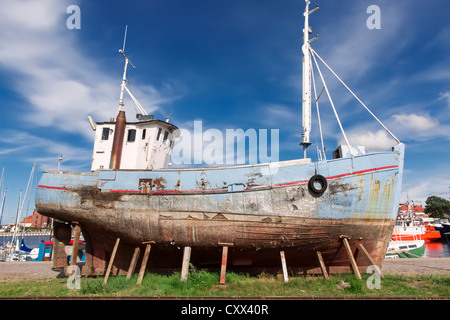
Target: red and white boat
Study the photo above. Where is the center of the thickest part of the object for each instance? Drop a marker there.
(406, 232)
(410, 226)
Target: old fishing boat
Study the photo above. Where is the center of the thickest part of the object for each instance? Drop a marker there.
(312, 211)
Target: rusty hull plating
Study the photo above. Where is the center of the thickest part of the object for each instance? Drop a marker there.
(260, 209)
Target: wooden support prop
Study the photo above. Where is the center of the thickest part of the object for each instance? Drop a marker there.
(228, 244)
(76, 241)
(322, 265)
(350, 256)
(111, 261)
(283, 265)
(185, 265)
(144, 262)
(133, 263)
(368, 257)
(223, 268)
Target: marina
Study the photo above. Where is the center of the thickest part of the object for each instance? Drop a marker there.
(32, 240)
(437, 250)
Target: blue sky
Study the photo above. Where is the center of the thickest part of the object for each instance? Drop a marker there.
(231, 64)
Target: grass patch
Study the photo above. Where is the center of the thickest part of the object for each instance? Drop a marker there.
(204, 283)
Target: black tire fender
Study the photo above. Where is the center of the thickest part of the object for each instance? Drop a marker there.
(317, 185)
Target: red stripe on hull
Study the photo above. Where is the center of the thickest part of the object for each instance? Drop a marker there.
(224, 189)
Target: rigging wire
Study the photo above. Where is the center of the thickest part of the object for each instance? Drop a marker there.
(385, 128)
(332, 104)
(317, 107)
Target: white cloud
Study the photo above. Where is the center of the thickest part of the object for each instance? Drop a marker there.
(31, 14)
(278, 115)
(421, 189)
(416, 122)
(61, 84)
(379, 140)
(44, 151)
(420, 127)
(409, 128)
(445, 96)
(352, 50)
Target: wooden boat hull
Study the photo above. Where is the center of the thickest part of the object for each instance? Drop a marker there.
(259, 209)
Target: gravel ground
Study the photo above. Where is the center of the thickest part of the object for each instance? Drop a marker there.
(419, 266)
(29, 270)
(17, 271)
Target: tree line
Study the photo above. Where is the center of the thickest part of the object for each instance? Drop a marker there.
(437, 207)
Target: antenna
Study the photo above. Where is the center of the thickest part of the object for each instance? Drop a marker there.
(124, 78)
(125, 38)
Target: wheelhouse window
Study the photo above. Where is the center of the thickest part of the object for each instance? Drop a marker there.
(131, 135)
(105, 134)
(144, 132)
(166, 134)
(159, 134)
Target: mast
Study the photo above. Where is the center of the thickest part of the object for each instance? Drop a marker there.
(3, 205)
(20, 205)
(306, 85)
(121, 121)
(124, 77)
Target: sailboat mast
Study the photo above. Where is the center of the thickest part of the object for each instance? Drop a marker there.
(306, 86)
(3, 205)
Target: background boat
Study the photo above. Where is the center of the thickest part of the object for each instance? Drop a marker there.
(405, 232)
(406, 249)
(413, 224)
